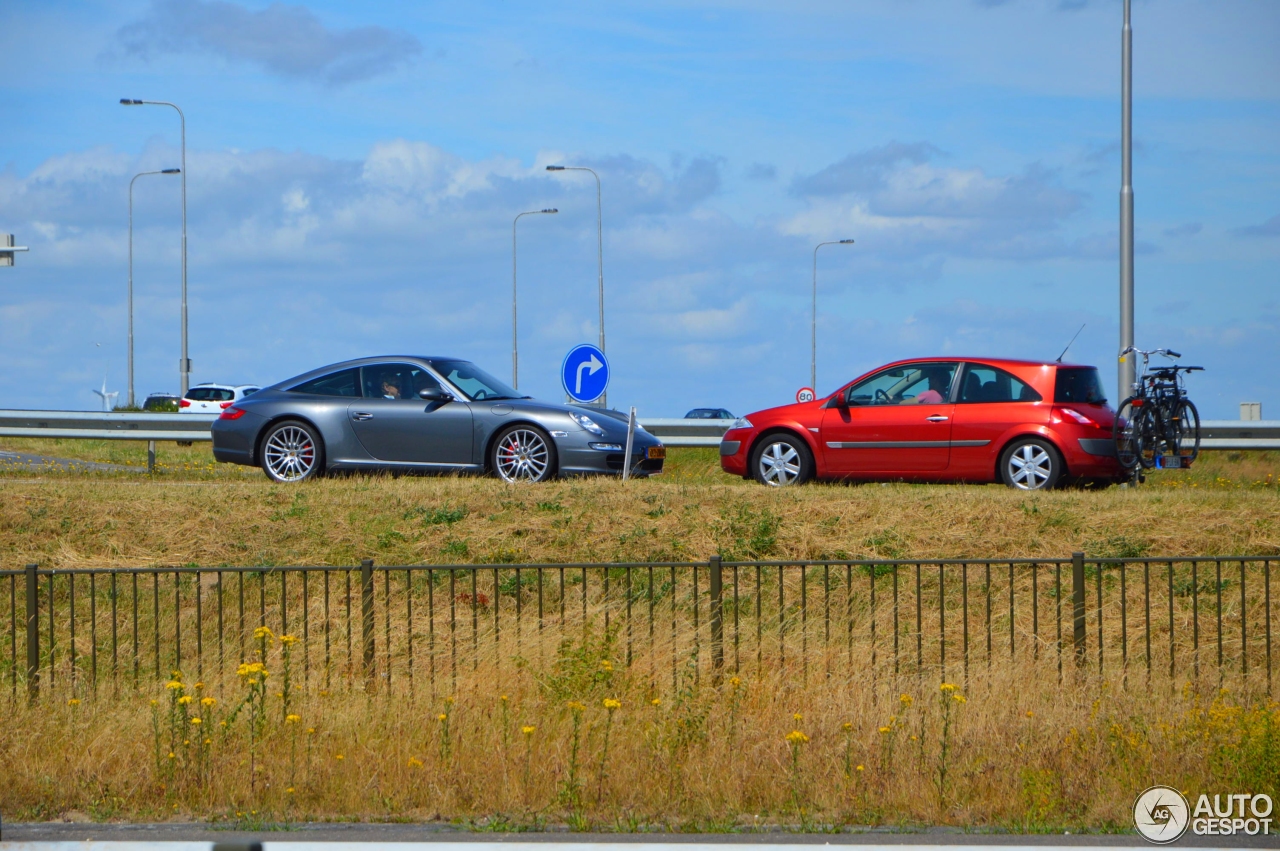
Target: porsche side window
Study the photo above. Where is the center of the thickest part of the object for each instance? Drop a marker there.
(345, 382)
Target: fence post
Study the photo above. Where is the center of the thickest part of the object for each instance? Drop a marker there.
(33, 634)
(366, 605)
(717, 619)
(1077, 604)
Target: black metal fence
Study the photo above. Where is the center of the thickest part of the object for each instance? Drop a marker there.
(405, 627)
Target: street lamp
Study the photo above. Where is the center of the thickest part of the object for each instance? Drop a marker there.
(8, 249)
(131, 182)
(813, 323)
(515, 351)
(184, 365)
(1127, 369)
(604, 398)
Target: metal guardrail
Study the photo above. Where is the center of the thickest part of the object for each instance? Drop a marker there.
(1214, 434)
(94, 425)
(1140, 620)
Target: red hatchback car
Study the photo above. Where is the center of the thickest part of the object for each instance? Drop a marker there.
(1029, 424)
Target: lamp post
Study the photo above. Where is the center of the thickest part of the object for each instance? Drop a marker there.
(515, 349)
(8, 249)
(131, 182)
(813, 322)
(184, 365)
(1126, 365)
(604, 398)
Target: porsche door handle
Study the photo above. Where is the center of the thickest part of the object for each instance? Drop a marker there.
(361, 416)
(937, 418)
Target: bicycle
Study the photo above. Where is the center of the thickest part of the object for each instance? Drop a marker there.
(1158, 426)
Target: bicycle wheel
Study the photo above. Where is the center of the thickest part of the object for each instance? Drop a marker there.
(1123, 435)
(1186, 425)
(1146, 436)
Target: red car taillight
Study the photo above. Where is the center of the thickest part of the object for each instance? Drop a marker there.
(183, 403)
(1078, 417)
(231, 413)
(224, 405)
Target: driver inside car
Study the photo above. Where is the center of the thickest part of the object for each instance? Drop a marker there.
(939, 379)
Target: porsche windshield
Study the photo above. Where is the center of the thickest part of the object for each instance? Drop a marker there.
(475, 382)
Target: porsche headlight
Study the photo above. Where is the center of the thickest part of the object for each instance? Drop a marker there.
(587, 423)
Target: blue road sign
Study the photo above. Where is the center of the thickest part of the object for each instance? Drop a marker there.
(585, 373)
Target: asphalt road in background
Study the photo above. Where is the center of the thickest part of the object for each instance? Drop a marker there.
(402, 837)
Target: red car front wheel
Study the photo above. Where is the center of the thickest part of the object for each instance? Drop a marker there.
(779, 460)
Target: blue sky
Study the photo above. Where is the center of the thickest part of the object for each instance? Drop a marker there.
(354, 170)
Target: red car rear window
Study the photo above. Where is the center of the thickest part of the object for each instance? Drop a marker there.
(1080, 385)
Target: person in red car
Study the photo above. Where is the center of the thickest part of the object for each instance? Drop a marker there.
(939, 382)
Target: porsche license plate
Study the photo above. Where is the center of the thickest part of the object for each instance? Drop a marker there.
(656, 452)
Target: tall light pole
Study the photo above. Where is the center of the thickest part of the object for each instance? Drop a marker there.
(604, 398)
(1126, 365)
(515, 349)
(813, 322)
(184, 365)
(8, 249)
(131, 182)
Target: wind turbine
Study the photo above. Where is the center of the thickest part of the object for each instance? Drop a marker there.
(108, 399)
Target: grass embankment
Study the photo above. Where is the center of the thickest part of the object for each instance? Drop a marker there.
(587, 743)
(1022, 751)
(1229, 504)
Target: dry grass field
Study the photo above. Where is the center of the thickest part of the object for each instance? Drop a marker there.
(193, 512)
(544, 743)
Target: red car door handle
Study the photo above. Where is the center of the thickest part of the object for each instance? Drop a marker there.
(937, 418)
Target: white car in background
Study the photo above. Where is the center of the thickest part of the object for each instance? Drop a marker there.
(213, 398)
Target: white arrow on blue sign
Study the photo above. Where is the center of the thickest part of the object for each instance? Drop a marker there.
(585, 373)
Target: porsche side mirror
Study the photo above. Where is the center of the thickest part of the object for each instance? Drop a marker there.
(433, 394)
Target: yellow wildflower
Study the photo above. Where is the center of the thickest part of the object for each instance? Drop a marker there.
(885, 730)
(185, 699)
(657, 701)
(906, 700)
(292, 719)
(795, 737)
(798, 717)
(263, 632)
(576, 706)
(174, 685)
(171, 755)
(611, 704)
(199, 685)
(208, 701)
(503, 698)
(862, 768)
(847, 726)
(415, 763)
(442, 717)
(528, 729)
(947, 687)
(289, 639)
(75, 701)
(311, 731)
(606, 665)
(196, 720)
(289, 790)
(958, 698)
(338, 756)
(155, 703)
(1030, 713)
(735, 681)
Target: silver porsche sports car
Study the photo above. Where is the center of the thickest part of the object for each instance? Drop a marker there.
(411, 413)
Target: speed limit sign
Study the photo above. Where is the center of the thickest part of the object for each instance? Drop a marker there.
(805, 394)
